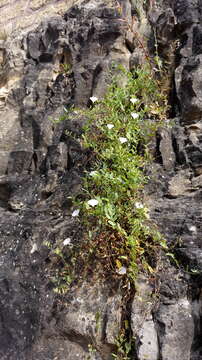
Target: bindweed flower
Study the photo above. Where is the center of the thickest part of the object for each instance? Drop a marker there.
(67, 241)
(75, 213)
(133, 100)
(92, 202)
(193, 229)
(93, 99)
(110, 126)
(134, 115)
(93, 173)
(34, 248)
(122, 140)
(139, 205)
(122, 270)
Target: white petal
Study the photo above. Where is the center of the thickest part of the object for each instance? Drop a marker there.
(139, 205)
(133, 100)
(193, 229)
(75, 213)
(122, 271)
(123, 140)
(34, 248)
(93, 173)
(134, 115)
(93, 202)
(67, 241)
(110, 126)
(93, 99)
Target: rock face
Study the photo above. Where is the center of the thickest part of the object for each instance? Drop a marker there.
(63, 61)
(32, 12)
(175, 202)
(45, 68)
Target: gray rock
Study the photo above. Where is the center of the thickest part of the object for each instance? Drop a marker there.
(149, 347)
(176, 330)
(166, 149)
(92, 317)
(61, 62)
(142, 323)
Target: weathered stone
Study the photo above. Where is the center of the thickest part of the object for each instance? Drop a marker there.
(190, 90)
(175, 201)
(142, 304)
(142, 323)
(166, 149)
(197, 182)
(180, 184)
(32, 12)
(92, 317)
(176, 330)
(149, 347)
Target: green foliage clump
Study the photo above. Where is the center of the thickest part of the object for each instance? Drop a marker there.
(120, 234)
(119, 238)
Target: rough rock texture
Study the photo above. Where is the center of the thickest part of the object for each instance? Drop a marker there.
(175, 190)
(63, 61)
(31, 11)
(48, 67)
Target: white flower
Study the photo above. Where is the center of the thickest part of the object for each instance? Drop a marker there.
(133, 100)
(134, 115)
(139, 205)
(93, 173)
(110, 126)
(93, 99)
(122, 140)
(92, 202)
(34, 248)
(122, 270)
(193, 229)
(75, 213)
(67, 241)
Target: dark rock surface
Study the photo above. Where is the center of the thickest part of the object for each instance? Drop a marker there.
(62, 62)
(65, 61)
(175, 190)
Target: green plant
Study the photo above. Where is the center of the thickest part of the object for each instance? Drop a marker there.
(119, 238)
(65, 68)
(91, 352)
(123, 348)
(62, 276)
(122, 237)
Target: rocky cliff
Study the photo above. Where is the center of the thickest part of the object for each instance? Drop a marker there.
(54, 54)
